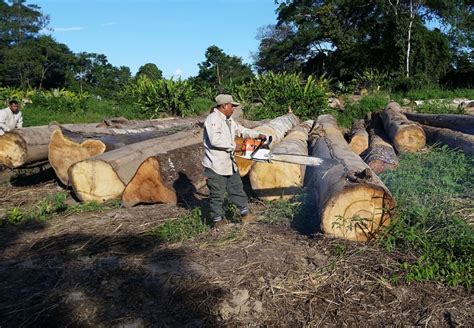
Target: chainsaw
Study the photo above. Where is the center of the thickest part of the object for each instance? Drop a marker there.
(258, 150)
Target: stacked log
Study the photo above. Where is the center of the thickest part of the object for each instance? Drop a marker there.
(67, 148)
(406, 135)
(380, 155)
(279, 180)
(276, 128)
(352, 202)
(460, 123)
(453, 139)
(359, 137)
(105, 176)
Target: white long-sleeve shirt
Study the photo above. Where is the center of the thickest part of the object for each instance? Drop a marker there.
(219, 142)
(9, 120)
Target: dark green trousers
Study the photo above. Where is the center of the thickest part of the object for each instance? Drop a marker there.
(218, 186)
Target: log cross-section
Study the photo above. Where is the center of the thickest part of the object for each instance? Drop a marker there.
(352, 202)
(406, 135)
(359, 137)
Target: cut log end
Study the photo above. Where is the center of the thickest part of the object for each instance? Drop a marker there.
(358, 213)
(95, 181)
(13, 150)
(272, 181)
(359, 143)
(410, 139)
(62, 153)
(147, 186)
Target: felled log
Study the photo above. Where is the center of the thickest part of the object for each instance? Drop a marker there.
(453, 139)
(359, 137)
(162, 123)
(279, 180)
(67, 148)
(166, 177)
(105, 176)
(24, 146)
(405, 135)
(461, 123)
(352, 202)
(277, 129)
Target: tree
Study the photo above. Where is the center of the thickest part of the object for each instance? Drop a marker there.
(95, 74)
(19, 22)
(36, 63)
(151, 71)
(342, 37)
(221, 71)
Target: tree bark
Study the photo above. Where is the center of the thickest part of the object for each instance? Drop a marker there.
(460, 123)
(167, 177)
(277, 129)
(352, 202)
(105, 177)
(453, 139)
(67, 148)
(359, 137)
(279, 180)
(405, 135)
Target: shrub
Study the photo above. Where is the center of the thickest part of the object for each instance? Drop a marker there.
(358, 109)
(161, 97)
(270, 95)
(60, 100)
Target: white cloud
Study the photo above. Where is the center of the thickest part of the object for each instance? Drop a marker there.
(68, 29)
(108, 24)
(178, 72)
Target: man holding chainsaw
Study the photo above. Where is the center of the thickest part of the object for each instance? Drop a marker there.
(219, 164)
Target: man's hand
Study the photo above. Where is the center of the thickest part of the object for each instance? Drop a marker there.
(262, 137)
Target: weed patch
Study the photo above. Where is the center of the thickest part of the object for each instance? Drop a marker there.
(427, 222)
(182, 228)
(50, 206)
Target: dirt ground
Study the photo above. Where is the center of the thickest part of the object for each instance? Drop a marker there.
(103, 269)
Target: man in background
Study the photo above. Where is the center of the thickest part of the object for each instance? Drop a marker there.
(10, 117)
(219, 164)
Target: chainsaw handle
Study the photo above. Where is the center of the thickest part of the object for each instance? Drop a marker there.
(269, 141)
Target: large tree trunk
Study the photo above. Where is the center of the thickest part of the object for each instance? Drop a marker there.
(162, 123)
(105, 177)
(405, 135)
(461, 123)
(20, 147)
(352, 202)
(359, 137)
(167, 177)
(453, 139)
(67, 148)
(277, 180)
(277, 129)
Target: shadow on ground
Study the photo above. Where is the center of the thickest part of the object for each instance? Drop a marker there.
(85, 280)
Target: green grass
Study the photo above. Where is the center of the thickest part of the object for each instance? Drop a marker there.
(182, 228)
(49, 207)
(93, 111)
(432, 191)
(437, 94)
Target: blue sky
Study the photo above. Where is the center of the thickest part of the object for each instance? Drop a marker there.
(173, 34)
